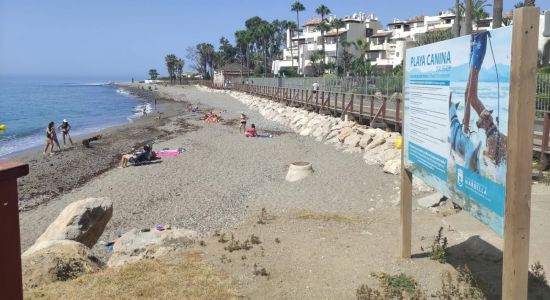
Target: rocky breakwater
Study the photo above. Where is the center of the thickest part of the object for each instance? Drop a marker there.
(377, 146)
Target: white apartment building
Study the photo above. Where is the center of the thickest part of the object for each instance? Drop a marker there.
(387, 47)
(357, 26)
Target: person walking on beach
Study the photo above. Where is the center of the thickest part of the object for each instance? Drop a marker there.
(49, 138)
(315, 87)
(145, 111)
(65, 127)
(243, 123)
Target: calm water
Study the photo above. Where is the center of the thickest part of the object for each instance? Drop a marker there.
(27, 106)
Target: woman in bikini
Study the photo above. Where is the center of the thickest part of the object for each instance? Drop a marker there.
(243, 123)
(50, 131)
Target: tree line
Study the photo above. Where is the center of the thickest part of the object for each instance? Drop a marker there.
(261, 42)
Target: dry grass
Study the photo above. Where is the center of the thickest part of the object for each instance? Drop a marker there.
(325, 216)
(183, 276)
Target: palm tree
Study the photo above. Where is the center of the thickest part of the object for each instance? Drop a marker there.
(292, 27)
(347, 57)
(468, 17)
(153, 74)
(456, 25)
(497, 13)
(529, 3)
(323, 27)
(179, 68)
(209, 53)
(323, 11)
(362, 46)
(265, 32)
(314, 58)
(171, 60)
(337, 24)
(298, 7)
(243, 39)
(477, 8)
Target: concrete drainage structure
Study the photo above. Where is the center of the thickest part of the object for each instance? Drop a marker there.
(298, 171)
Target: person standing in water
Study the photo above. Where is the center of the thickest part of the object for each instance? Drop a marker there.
(49, 138)
(65, 127)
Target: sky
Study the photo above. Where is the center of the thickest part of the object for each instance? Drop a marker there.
(120, 39)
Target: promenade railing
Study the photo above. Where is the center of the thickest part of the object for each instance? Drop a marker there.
(381, 110)
(378, 109)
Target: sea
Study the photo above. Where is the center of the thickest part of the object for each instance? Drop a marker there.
(28, 105)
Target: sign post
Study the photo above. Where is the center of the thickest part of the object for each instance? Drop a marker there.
(467, 131)
(520, 152)
(406, 193)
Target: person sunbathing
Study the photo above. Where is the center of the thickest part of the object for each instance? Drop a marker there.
(126, 157)
(251, 132)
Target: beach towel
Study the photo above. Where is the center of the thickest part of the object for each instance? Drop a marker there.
(264, 135)
(168, 153)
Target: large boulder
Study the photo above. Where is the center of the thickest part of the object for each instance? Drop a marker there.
(352, 140)
(60, 260)
(344, 133)
(393, 166)
(82, 221)
(137, 245)
(377, 141)
(365, 141)
(306, 131)
(333, 133)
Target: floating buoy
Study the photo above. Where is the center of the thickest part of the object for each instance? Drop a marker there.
(3, 126)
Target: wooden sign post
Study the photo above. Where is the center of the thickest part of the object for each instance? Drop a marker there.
(520, 153)
(450, 176)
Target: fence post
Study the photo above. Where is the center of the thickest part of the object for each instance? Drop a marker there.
(11, 283)
(384, 108)
(343, 102)
(361, 108)
(545, 138)
(397, 113)
(317, 98)
(371, 107)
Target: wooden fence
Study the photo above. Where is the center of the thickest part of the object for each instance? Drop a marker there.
(378, 109)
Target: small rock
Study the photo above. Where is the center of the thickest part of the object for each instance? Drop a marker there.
(431, 200)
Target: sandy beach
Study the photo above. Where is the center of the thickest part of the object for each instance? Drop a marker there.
(223, 180)
(219, 179)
